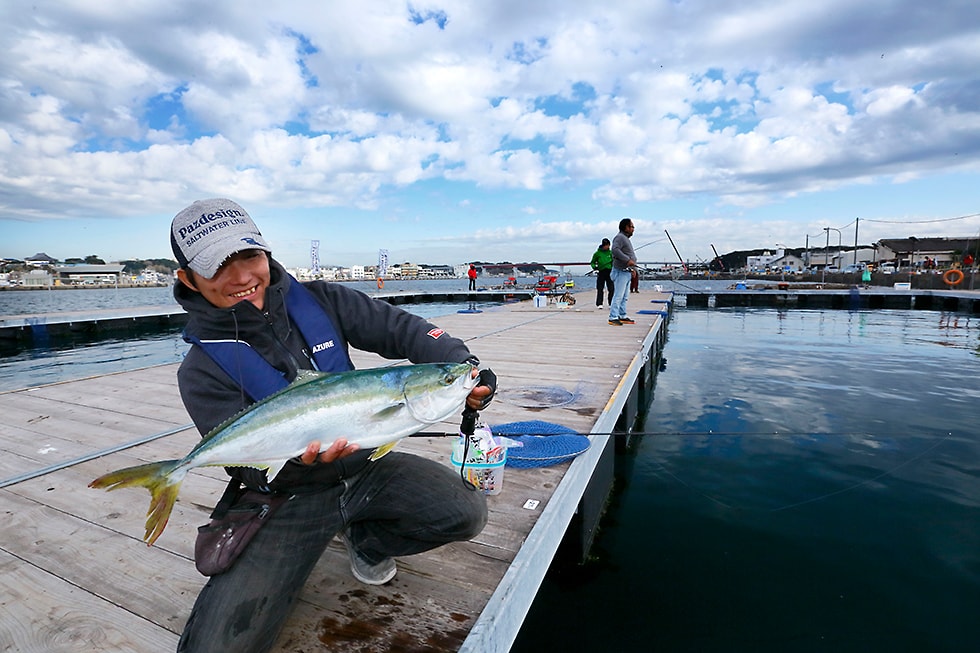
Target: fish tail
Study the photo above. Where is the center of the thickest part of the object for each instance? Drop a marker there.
(162, 479)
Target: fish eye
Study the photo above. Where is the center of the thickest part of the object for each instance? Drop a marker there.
(448, 379)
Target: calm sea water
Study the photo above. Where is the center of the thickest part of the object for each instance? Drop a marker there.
(38, 366)
(809, 481)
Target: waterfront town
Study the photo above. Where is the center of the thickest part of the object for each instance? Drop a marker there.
(887, 256)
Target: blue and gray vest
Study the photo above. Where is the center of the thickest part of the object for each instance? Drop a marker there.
(257, 377)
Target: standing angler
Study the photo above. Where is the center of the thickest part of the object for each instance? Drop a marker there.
(253, 328)
(602, 264)
(623, 262)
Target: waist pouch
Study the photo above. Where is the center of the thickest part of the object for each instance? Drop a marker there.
(220, 542)
(241, 512)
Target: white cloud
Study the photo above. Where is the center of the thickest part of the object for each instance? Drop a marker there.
(108, 106)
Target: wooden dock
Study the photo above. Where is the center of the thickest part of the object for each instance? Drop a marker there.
(77, 576)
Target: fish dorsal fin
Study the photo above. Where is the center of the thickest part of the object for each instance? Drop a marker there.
(305, 376)
(382, 450)
(302, 378)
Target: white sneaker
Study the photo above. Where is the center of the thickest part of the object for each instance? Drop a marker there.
(364, 571)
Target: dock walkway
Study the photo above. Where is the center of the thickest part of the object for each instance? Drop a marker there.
(77, 576)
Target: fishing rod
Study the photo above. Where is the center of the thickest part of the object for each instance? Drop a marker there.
(675, 251)
(659, 240)
(447, 434)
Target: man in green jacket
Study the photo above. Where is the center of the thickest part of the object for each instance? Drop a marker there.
(602, 264)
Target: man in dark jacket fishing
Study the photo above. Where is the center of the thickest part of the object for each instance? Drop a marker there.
(397, 505)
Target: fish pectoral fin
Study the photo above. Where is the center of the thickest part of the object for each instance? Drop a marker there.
(389, 411)
(382, 450)
(272, 469)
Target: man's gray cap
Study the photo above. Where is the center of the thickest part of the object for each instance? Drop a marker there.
(207, 232)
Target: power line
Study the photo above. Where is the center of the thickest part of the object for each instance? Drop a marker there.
(933, 221)
(962, 217)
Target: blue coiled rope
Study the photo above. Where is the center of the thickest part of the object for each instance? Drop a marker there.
(544, 443)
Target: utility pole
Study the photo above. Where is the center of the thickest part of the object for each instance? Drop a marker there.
(826, 252)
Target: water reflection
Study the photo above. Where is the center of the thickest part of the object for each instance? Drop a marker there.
(810, 481)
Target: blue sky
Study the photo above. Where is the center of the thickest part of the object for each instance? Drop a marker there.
(466, 130)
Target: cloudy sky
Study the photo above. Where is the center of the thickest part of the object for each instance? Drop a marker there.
(456, 130)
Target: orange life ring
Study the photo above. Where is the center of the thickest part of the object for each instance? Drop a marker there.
(381, 283)
(953, 277)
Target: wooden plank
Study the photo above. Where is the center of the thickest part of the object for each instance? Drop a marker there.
(336, 613)
(13, 463)
(124, 511)
(148, 581)
(42, 415)
(42, 613)
(123, 394)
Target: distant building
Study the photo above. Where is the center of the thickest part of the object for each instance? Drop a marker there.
(409, 270)
(152, 277)
(779, 261)
(39, 260)
(37, 279)
(494, 270)
(786, 263)
(85, 274)
(942, 251)
(436, 271)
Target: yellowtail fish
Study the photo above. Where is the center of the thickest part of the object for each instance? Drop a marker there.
(372, 408)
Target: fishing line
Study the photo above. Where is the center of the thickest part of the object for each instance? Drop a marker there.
(892, 434)
(673, 280)
(868, 481)
(821, 497)
(714, 499)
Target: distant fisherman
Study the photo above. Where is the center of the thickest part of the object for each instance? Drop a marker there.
(624, 260)
(602, 264)
(397, 505)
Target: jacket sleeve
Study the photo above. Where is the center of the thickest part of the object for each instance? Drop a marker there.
(374, 325)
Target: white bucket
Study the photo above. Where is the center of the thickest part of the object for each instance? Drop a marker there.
(485, 474)
(540, 301)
